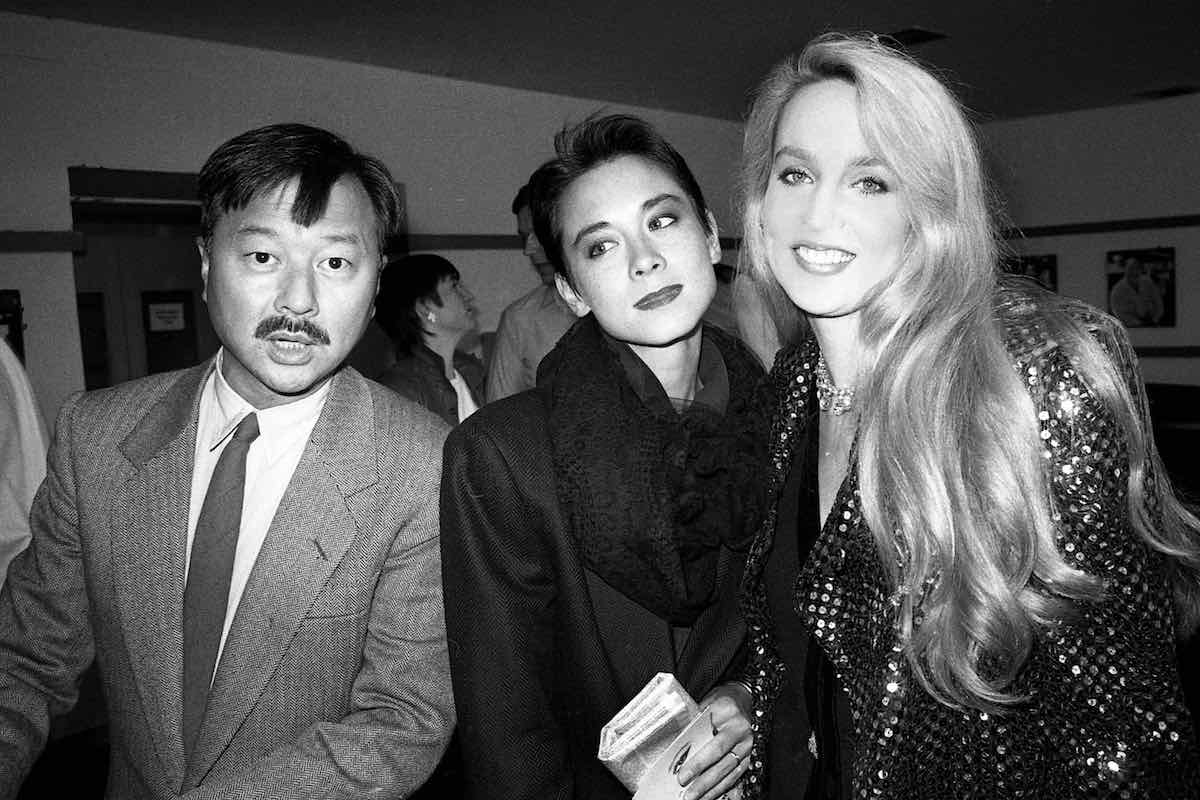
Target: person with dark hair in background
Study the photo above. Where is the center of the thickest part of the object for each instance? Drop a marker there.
(973, 568)
(248, 548)
(531, 325)
(426, 310)
(594, 528)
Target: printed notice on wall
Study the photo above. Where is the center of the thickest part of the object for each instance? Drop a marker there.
(165, 316)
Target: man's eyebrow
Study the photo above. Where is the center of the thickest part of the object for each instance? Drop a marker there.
(349, 238)
(343, 238)
(257, 230)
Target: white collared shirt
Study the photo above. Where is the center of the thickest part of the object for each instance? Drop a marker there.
(284, 432)
(466, 403)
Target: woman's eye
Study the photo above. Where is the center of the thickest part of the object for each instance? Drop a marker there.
(336, 263)
(599, 248)
(261, 257)
(792, 176)
(662, 221)
(870, 185)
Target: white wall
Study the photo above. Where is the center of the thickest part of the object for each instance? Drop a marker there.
(1127, 162)
(1124, 162)
(78, 94)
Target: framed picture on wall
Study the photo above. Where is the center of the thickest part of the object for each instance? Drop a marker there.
(1043, 269)
(1141, 286)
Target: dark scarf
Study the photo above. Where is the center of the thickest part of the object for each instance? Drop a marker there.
(652, 494)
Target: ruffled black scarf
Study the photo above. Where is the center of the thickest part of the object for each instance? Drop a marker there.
(652, 494)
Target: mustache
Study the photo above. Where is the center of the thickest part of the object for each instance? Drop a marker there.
(289, 325)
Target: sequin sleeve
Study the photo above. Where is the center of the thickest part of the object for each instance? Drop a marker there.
(1107, 681)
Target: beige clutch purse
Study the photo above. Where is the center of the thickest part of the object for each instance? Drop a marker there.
(643, 732)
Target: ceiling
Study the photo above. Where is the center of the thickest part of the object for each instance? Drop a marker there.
(1008, 58)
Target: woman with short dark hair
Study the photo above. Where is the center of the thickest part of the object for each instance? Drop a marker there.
(593, 528)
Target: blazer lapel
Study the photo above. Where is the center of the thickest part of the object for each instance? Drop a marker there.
(631, 636)
(318, 518)
(149, 541)
(718, 633)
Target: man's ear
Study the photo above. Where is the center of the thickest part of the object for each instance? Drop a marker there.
(714, 239)
(203, 267)
(570, 297)
(378, 283)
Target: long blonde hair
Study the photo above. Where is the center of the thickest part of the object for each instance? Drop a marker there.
(949, 455)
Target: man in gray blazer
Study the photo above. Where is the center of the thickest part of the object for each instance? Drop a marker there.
(247, 548)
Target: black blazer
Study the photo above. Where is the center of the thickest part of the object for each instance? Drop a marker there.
(421, 377)
(543, 652)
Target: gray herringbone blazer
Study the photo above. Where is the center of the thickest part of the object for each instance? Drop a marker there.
(334, 679)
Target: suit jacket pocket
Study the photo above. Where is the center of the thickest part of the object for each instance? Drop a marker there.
(339, 604)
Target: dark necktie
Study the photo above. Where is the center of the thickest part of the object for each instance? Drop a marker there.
(209, 573)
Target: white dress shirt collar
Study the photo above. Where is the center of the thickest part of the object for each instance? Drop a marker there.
(274, 424)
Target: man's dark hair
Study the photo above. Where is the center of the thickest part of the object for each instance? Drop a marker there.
(263, 159)
(404, 283)
(521, 199)
(583, 147)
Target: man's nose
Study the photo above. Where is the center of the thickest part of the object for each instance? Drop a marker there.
(297, 294)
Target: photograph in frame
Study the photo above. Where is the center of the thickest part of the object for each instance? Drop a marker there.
(1141, 286)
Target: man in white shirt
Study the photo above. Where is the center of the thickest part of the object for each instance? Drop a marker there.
(532, 324)
(22, 455)
(249, 547)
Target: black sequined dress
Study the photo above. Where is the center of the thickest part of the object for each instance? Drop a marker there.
(811, 716)
(1106, 716)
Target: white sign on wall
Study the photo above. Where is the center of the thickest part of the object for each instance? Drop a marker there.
(165, 316)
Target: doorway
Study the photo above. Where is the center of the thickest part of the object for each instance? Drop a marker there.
(138, 278)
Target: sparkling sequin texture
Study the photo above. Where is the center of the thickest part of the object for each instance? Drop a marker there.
(1105, 716)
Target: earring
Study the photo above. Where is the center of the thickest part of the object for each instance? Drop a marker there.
(429, 316)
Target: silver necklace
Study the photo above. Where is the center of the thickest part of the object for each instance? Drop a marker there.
(836, 400)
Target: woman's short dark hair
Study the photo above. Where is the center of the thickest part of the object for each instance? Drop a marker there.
(404, 283)
(583, 147)
(263, 159)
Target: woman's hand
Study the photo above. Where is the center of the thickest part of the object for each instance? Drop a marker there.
(715, 768)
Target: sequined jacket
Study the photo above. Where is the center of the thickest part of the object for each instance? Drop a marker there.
(1106, 716)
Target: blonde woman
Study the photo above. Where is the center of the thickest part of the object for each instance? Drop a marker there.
(964, 584)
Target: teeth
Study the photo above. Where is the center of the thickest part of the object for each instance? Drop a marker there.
(288, 344)
(824, 255)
